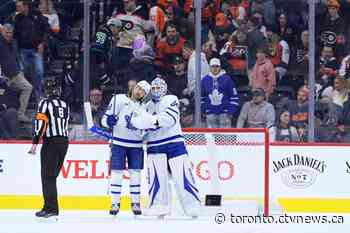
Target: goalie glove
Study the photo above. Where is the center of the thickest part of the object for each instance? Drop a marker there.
(140, 119)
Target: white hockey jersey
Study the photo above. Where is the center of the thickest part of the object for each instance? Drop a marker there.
(123, 133)
(167, 113)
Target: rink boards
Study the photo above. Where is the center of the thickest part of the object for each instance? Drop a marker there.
(302, 178)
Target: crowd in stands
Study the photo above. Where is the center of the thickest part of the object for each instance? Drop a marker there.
(254, 60)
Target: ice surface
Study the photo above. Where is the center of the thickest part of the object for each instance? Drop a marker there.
(23, 221)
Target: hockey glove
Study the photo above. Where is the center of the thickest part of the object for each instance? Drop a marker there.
(112, 121)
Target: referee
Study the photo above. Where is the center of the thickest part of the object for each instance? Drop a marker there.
(51, 124)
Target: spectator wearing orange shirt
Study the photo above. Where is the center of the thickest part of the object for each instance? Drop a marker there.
(222, 30)
(234, 54)
(234, 11)
(169, 47)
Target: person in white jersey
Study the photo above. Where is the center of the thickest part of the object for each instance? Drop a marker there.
(167, 153)
(126, 144)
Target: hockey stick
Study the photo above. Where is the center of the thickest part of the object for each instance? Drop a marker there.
(99, 131)
(215, 197)
(90, 124)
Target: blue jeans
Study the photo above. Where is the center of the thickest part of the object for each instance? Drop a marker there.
(29, 57)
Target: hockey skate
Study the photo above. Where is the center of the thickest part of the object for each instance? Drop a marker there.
(159, 211)
(44, 215)
(136, 208)
(114, 209)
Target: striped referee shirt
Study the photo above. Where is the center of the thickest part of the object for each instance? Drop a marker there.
(51, 119)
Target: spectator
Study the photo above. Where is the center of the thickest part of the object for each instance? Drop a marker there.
(234, 11)
(7, 11)
(286, 31)
(142, 66)
(47, 9)
(222, 30)
(263, 74)
(31, 28)
(328, 67)
(300, 55)
(261, 25)
(343, 126)
(285, 132)
(177, 81)
(344, 69)
(10, 65)
(190, 55)
(333, 26)
(134, 23)
(278, 51)
(169, 46)
(209, 48)
(131, 84)
(158, 18)
(97, 107)
(299, 110)
(234, 54)
(101, 51)
(9, 104)
(296, 12)
(266, 8)
(219, 97)
(257, 113)
(327, 116)
(186, 108)
(256, 39)
(339, 92)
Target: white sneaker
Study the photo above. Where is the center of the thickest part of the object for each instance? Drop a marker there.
(159, 210)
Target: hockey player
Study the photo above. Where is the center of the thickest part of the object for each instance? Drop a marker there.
(127, 144)
(166, 149)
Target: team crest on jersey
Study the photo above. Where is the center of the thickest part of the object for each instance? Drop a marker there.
(216, 97)
(127, 25)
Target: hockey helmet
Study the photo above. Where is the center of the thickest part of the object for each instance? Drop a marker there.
(159, 88)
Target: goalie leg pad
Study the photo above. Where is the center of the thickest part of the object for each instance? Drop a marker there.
(185, 184)
(158, 184)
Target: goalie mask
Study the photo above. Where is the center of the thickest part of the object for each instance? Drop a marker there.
(159, 88)
(52, 87)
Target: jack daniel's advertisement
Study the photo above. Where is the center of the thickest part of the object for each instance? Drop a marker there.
(299, 171)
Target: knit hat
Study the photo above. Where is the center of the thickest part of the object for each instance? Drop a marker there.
(145, 86)
(333, 3)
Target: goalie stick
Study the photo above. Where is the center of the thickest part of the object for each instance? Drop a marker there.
(215, 197)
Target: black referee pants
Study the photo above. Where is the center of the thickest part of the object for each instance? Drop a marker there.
(52, 154)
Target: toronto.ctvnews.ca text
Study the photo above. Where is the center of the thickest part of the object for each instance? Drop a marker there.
(221, 218)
